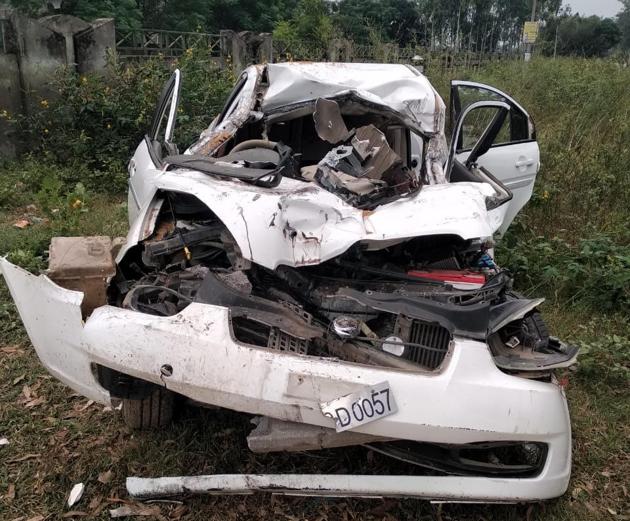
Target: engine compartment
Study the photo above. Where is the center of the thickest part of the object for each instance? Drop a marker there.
(399, 305)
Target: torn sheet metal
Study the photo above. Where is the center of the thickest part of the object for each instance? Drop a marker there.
(395, 89)
(290, 387)
(280, 384)
(299, 224)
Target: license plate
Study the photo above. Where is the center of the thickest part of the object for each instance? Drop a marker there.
(365, 406)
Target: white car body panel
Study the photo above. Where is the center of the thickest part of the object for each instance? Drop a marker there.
(516, 166)
(297, 223)
(468, 400)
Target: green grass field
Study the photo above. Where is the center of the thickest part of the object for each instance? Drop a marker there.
(57, 439)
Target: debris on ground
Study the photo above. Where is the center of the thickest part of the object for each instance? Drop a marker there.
(137, 510)
(105, 477)
(75, 494)
(21, 223)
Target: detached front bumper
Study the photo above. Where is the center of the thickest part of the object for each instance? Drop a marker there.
(469, 400)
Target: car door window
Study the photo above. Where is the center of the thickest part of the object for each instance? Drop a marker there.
(516, 128)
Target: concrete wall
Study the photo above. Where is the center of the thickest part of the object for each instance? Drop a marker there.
(35, 50)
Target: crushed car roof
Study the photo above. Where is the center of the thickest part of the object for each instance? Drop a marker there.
(398, 87)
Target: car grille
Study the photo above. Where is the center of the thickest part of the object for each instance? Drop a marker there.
(432, 342)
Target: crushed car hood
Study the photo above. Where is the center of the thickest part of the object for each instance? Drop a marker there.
(298, 223)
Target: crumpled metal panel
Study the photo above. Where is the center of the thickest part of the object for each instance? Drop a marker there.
(394, 86)
(298, 224)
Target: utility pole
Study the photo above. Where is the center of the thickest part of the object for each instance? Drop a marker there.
(529, 47)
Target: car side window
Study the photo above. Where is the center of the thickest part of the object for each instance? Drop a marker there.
(515, 128)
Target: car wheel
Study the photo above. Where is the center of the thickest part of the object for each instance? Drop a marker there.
(153, 412)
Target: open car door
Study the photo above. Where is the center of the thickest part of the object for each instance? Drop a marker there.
(157, 144)
(514, 157)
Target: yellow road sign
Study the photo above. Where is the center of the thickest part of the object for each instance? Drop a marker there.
(530, 32)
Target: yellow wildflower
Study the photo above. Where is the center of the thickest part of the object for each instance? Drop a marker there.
(545, 194)
(44, 103)
(83, 79)
(77, 204)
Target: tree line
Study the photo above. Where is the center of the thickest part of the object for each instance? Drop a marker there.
(475, 25)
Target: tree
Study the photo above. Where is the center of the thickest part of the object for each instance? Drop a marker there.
(310, 24)
(392, 20)
(126, 13)
(580, 36)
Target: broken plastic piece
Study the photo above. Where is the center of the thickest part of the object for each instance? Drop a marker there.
(75, 494)
(329, 123)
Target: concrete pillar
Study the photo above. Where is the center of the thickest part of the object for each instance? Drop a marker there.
(67, 26)
(244, 48)
(231, 51)
(93, 45)
(265, 48)
(340, 50)
(41, 52)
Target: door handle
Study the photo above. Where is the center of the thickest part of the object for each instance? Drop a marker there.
(524, 162)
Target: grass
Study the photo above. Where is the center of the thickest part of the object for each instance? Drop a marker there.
(57, 439)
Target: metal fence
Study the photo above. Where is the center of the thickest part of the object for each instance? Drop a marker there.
(346, 51)
(144, 43)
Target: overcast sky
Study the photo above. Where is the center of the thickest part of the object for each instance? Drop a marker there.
(599, 7)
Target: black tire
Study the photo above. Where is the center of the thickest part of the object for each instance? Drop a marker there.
(153, 412)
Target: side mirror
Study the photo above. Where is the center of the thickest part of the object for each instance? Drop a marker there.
(487, 137)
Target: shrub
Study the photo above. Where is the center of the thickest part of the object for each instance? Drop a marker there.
(593, 271)
(95, 122)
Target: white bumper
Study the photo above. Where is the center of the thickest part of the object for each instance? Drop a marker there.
(470, 400)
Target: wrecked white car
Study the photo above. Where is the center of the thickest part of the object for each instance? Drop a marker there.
(322, 259)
